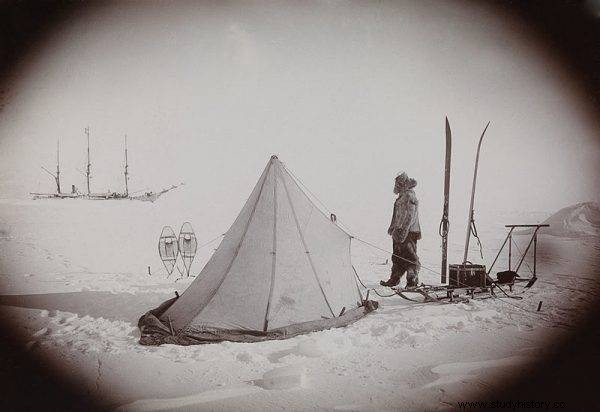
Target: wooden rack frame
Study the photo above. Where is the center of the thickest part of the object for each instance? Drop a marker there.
(509, 240)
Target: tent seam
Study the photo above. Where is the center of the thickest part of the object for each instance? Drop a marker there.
(237, 250)
(312, 265)
(352, 266)
(274, 261)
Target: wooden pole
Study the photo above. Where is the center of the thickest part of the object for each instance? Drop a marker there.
(527, 249)
(87, 173)
(58, 166)
(444, 224)
(535, 254)
(126, 170)
(510, 249)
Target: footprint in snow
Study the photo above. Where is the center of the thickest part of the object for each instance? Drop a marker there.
(40, 333)
(286, 377)
(421, 377)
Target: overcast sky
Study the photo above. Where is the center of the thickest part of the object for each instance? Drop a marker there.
(348, 94)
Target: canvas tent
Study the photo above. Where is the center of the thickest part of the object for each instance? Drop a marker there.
(282, 269)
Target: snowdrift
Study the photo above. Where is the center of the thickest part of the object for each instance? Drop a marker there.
(580, 220)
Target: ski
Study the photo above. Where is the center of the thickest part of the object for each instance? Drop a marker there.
(471, 221)
(444, 224)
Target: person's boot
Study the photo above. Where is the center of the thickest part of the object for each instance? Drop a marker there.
(411, 285)
(412, 280)
(388, 283)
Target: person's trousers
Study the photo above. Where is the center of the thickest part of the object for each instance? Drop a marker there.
(405, 259)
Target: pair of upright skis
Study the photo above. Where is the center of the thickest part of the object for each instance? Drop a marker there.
(170, 247)
(445, 224)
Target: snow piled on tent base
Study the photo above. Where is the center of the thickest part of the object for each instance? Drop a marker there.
(155, 332)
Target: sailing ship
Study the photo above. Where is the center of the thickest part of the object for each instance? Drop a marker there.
(149, 196)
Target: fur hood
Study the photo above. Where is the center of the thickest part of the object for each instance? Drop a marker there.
(410, 183)
(403, 182)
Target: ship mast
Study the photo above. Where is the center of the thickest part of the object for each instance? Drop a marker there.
(57, 175)
(87, 171)
(58, 166)
(126, 170)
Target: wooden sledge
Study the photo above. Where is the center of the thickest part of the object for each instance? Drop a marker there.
(457, 291)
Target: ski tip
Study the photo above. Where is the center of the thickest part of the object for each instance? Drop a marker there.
(484, 130)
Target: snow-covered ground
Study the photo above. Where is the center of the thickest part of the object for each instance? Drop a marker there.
(75, 296)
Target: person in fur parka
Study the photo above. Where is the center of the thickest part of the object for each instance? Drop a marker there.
(405, 231)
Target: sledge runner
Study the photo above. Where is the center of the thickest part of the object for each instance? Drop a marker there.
(405, 231)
